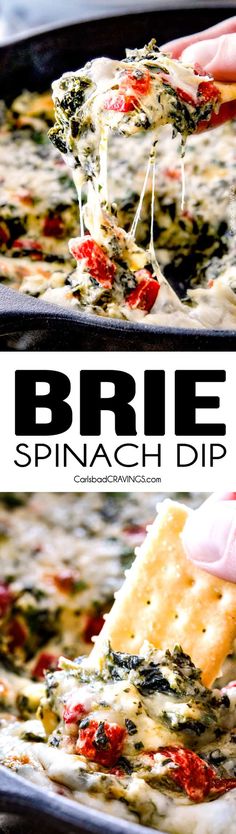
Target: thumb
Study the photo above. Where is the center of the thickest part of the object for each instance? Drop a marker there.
(209, 537)
(217, 56)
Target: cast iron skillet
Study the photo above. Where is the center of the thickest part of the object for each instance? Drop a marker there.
(52, 813)
(32, 63)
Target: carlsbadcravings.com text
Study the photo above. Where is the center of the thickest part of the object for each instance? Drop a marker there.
(116, 479)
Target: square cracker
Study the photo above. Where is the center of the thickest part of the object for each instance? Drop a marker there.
(167, 600)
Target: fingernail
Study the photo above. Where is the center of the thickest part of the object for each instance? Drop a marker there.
(209, 538)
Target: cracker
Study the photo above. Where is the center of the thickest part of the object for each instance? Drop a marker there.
(167, 600)
(227, 91)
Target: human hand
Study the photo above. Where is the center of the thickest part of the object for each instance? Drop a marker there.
(215, 50)
(209, 536)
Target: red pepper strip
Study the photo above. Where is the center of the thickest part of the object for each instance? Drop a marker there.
(194, 775)
(73, 711)
(17, 634)
(101, 742)
(208, 91)
(53, 226)
(188, 214)
(65, 581)
(45, 661)
(172, 173)
(4, 233)
(138, 80)
(97, 262)
(31, 247)
(186, 96)
(120, 102)
(146, 292)
(220, 786)
(135, 530)
(5, 599)
(226, 112)
(132, 85)
(118, 771)
(25, 197)
(27, 243)
(93, 627)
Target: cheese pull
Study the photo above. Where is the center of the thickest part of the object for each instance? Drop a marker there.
(168, 600)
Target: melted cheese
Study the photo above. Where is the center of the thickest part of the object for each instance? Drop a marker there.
(193, 247)
(171, 708)
(146, 789)
(84, 115)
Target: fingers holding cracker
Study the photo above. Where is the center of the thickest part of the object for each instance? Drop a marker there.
(167, 600)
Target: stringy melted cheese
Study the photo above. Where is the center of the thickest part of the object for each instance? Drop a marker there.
(144, 203)
(85, 121)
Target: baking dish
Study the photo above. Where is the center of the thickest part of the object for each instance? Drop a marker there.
(61, 815)
(33, 62)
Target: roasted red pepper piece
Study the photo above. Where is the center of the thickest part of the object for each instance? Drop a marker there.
(118, 771)
(53, 226)
(208, 91)
(120, 102)
(17, 634)
(73, 711)
(135, 530)
(4, 233)
(188, 214)
(221, 785)
(65, 581)
(138, 80)
(25, 197)
(5, 599)
(172, 173)
(191, 773)
(97, 262)
(101, 742)
(226, 112)
(146, 292)
(194, 775)
(93, 627)
(29, 245)
(132, 85)
(45, 661)
(186, 96)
